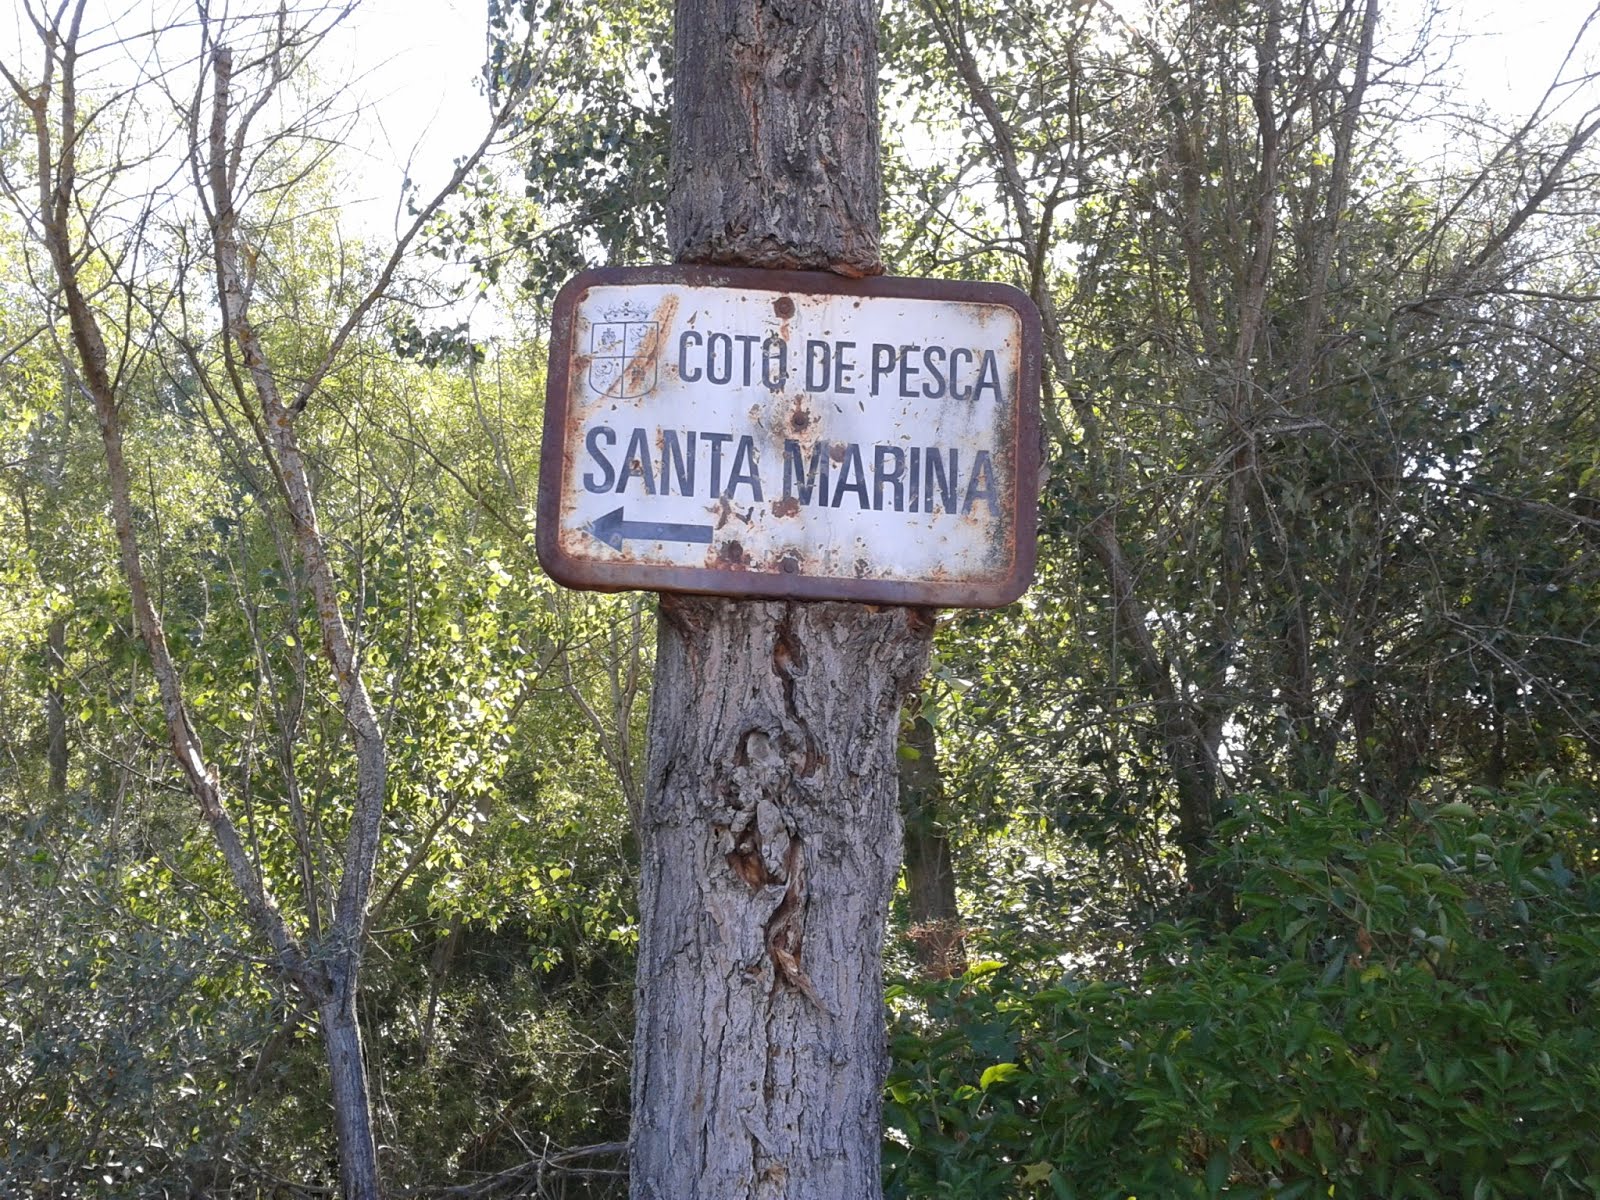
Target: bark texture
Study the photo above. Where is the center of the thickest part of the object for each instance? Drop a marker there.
(352, 1109)
(775, 135)
(770, 828)
(771, 842)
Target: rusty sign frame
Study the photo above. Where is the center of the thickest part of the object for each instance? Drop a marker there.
(739, 580)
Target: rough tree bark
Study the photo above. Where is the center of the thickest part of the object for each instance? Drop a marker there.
(770, 834)
(775, 135)
(771, 842)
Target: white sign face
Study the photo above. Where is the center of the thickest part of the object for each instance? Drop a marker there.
(791, 434)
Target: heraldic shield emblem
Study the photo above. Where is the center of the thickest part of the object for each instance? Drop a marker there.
(621, 347)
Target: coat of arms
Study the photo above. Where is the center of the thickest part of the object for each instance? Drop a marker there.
(622, 350)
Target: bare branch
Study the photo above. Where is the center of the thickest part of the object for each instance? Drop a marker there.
(386, 275)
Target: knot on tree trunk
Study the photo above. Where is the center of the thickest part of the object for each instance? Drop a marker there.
(765, 853)
(771, 843)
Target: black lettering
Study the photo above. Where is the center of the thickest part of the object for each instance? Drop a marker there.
(982, 469)
(935, 367)
(719, 373)
(907, 370)
(882, 474)
(843, 368)
(774, 362)
(933, 466)
(916, 478)
(717, 440)
(988, 377)
(744, 469)
(674, 461)
(817, 366)
(882, 364)
(636, 461)
(858, 484)
(748, 341)
(683, 355)
(592, 440)
(956, 356)
(799, 478)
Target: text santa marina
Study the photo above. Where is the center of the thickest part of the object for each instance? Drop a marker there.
(899, 475)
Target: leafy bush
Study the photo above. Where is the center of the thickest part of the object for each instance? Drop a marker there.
(1405, 1010)
(116, 1073)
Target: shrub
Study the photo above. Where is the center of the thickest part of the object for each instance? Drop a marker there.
(1401, 1010)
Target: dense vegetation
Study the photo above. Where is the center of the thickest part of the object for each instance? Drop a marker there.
(1256, 852)
(1402, 1010)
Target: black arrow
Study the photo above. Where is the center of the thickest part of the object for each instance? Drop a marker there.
(613, 530)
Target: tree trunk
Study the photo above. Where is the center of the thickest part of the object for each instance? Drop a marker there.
(935, 926)
(55, 713)
(346, 936)
(770, 833)
(771, 842)
(352, 1111)
(775, 135)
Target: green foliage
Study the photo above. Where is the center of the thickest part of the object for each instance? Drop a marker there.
(118, 1071)
(498, 985)
(1314, 517)
(593, 146)
(1401, 1011)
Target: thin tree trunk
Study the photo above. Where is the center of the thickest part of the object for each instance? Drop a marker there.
(352, 1108)
(223, 162)
(444, 955)
(770, 832)
(55, 713)
(58, 194)
(346, 935)
(935, 927)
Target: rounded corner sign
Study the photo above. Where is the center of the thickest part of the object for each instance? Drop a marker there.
(791, 434)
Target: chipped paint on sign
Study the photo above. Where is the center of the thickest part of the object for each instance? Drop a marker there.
(771, 433)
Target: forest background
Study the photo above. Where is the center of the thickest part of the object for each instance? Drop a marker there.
(1253, 853)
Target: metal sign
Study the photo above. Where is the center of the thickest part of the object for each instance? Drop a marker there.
(784, 433)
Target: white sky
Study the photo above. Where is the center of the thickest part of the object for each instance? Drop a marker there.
(430, 52)
(1514, 48)
(417, 63)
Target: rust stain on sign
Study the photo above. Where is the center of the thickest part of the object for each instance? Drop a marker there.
(770, 433)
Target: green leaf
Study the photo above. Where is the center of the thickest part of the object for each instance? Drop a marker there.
(999, 1073)
(1039, 1172)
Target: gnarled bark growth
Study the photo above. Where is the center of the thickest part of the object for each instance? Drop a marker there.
(770, 831)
